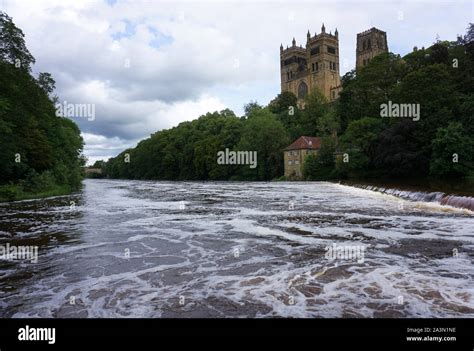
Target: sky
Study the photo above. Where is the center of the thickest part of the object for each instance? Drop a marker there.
(149, 65)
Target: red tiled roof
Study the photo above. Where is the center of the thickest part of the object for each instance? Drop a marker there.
(305, 142)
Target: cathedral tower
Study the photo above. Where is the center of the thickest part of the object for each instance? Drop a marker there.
(369, 44)
(314, 66)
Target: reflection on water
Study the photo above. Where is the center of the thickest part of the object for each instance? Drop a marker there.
(218, 249)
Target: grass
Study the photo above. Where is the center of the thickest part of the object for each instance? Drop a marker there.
(15, 192)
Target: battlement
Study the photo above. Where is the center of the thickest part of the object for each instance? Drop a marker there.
(370, 31)
(293, 49)
(370, 43)
(310, 39)
(316, 64)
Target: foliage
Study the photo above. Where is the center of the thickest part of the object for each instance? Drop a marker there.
(39, 152)
(440, 79)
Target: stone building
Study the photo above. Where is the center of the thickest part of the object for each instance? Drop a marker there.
(295, 154)
(315, 65)
(369, 44)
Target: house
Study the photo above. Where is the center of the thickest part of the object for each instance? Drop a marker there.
(295, 155)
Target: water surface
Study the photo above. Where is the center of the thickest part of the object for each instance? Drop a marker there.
(226, 249)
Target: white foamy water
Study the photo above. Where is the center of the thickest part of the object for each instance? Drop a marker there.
(231, 249)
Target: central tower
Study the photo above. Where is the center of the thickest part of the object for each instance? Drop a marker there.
(314, 66)
(369, 44)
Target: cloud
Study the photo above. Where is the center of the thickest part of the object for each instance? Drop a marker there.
(151, 65)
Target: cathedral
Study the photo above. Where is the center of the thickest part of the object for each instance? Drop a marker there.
(317, 63)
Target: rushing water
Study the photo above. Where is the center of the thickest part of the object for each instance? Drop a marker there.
(194, 249)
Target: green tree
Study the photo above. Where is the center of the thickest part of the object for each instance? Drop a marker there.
(39, 152)
(322, 165)
(12, 44)
(452, 153)
(359, 142)
(266, 135)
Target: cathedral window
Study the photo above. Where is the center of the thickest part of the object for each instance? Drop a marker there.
(331, 49)
(314, 51)
(302, 90)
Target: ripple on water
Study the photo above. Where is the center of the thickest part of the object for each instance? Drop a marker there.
(204, 249)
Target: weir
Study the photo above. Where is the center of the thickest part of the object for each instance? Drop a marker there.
(466, 202)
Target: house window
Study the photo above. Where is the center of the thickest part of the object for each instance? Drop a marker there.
(290, 162)
(297, 162)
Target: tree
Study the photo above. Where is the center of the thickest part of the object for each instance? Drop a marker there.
(266, 135)
(39, 152)
(322, 165)
(283, 102)
(398, 152)
(364, 90)
(46, 82)
(452, 153)
(315, 107)
(252, 106)
(12, 44)
(358, 143)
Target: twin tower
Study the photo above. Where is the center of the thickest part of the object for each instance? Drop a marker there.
(317, 64)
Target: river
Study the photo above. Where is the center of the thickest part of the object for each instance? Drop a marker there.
(122, 248)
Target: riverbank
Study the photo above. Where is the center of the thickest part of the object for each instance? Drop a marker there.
(10, 193)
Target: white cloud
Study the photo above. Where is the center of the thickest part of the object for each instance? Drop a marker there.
(150, 65)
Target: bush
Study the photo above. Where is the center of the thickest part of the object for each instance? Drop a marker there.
(8, 192)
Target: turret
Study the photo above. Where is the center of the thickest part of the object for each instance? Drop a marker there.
(294, 41)
(323, 29)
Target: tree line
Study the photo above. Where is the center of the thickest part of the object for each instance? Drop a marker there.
(438, 145)
(40, 153)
